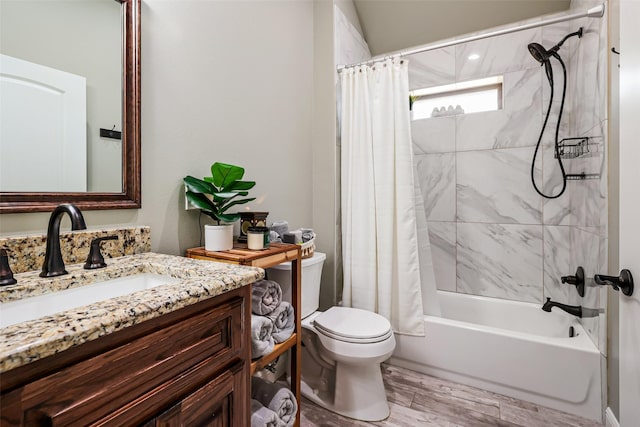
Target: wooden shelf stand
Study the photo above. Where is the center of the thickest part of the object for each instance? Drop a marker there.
(277, 253)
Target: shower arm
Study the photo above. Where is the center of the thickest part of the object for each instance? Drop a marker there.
(557, 46)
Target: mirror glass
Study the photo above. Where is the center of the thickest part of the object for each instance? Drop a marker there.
(69, 117)
(61, 83)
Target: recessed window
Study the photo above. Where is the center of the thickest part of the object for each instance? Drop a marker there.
(472, 96)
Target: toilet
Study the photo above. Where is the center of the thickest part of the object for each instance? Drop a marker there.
(342, 349)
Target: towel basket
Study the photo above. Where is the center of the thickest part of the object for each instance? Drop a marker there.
(308, 248)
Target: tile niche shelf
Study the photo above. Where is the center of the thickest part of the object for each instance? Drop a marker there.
(277, 253)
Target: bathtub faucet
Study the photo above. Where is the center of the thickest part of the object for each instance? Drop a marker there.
(575, 310)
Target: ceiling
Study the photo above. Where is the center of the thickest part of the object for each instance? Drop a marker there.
(390, 25)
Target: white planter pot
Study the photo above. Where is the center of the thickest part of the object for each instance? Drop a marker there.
(218, 237)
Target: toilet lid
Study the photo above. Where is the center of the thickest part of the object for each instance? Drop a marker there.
(353, 325)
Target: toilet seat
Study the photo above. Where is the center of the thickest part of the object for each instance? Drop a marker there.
(353, 325)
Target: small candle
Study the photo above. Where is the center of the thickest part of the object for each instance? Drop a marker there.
(257, 238)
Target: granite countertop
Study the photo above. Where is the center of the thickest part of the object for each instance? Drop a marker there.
(32, 340)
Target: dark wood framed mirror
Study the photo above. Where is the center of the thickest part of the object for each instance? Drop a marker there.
(130, 196)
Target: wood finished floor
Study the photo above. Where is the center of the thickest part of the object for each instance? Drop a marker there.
(420, 400)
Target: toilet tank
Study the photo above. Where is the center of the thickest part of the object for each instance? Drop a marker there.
(310, 286)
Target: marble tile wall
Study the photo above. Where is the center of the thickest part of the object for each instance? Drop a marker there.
(490, 232)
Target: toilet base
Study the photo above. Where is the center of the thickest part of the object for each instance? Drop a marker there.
(360, 392)
(355, 391)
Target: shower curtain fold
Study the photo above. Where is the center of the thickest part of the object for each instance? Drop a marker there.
(381, 265)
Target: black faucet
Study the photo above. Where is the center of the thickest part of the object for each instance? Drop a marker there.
(6, 275)
(95, 258)
(575, 310)
(53, 264)
(624, 282)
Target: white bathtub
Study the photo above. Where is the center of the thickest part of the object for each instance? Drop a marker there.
(508, 347)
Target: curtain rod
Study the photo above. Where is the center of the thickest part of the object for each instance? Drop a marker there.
(594, 12)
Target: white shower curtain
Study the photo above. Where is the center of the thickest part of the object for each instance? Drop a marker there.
(380, 246)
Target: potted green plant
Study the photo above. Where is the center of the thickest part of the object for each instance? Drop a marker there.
(214, 195)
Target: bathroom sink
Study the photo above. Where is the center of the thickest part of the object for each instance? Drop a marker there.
(42, 305)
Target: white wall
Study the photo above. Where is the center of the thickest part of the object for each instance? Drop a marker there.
(613, 310)
(221, 81)
(325, 163)
(348, 8)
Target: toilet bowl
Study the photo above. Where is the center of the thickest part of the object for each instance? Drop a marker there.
(342, 349)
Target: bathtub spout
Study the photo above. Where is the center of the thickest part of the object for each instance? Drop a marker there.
(575, 310)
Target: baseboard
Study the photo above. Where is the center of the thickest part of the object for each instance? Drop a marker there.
(610, 418)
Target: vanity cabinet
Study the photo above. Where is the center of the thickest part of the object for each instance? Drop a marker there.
(187, 367)
(277, 253)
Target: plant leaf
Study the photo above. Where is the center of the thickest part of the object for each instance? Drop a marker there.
(209, 179)
(212, 215)
(240, 185)
(196, 185)
(201, 201)
(236, 202)
(224, 174)
(224, 197)
(228, 217)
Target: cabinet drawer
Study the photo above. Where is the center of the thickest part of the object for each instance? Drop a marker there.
(96, 387)
(210, 406)
(220, 402)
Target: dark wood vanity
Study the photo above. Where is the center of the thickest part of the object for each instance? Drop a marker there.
(185, 368)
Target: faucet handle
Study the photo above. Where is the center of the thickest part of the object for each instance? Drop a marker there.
(623, 282)
(577, 280)
(95, 258)
(6, 275)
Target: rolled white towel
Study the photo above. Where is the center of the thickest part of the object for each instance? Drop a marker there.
(280, 227)
(283, 319)
(261, 336)
(265, 296)
(307, 234)
(274, 237)
(264, 417)
(276, 397)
